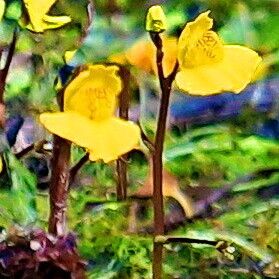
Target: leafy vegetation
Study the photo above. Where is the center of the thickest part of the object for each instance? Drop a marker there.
(234, 157)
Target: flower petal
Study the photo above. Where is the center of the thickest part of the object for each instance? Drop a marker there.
(143, 55)
(115, 138)
(37, 11)
(192, 32)
(232, 73)
(106, 140)
(52, 22)
(93, 92)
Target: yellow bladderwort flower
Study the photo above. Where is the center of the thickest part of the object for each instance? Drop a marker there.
(209, 67)
(88, 119)
(143, 55)
(39, 20)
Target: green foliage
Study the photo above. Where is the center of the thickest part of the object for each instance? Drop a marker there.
(209, 156)
(18, 203)
(214, 154)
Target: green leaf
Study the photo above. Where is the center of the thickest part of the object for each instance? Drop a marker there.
(203, 139)
(257, 183)
(22, 194)
(244, 245)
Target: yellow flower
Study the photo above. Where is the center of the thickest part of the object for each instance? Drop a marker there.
(88, 119)
(143, 55)
(39, 20)
(209, 67)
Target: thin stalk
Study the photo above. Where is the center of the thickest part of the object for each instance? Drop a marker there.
(165, 85)
(187, 240)
(3, 77)
(145, 139)
(25, 151)
(75, 169)
(121, 163)
(59, 182)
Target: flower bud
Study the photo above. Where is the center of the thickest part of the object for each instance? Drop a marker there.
(156, 20)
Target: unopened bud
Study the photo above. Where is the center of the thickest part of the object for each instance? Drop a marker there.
(156, 20)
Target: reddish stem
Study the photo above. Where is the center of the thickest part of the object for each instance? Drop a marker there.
(59, 182)
(3, 77)
(75, 169)
(166, 85)
(121, 164)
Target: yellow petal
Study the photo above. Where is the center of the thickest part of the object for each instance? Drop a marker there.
(51, 22)
(116, 137)
(106, 140)
(207, 50)
(93, 92)
(39, 21)
(36, 10)
(232, 73)
(192, 32)
(143, 55)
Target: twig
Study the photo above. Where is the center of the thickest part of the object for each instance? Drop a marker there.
(75, 169)
(180, 239)
(5, 70)
(25, 151)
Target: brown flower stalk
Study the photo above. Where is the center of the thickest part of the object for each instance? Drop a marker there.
(166, 86)
(3, 78)
(121, 163)
(59, 182)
